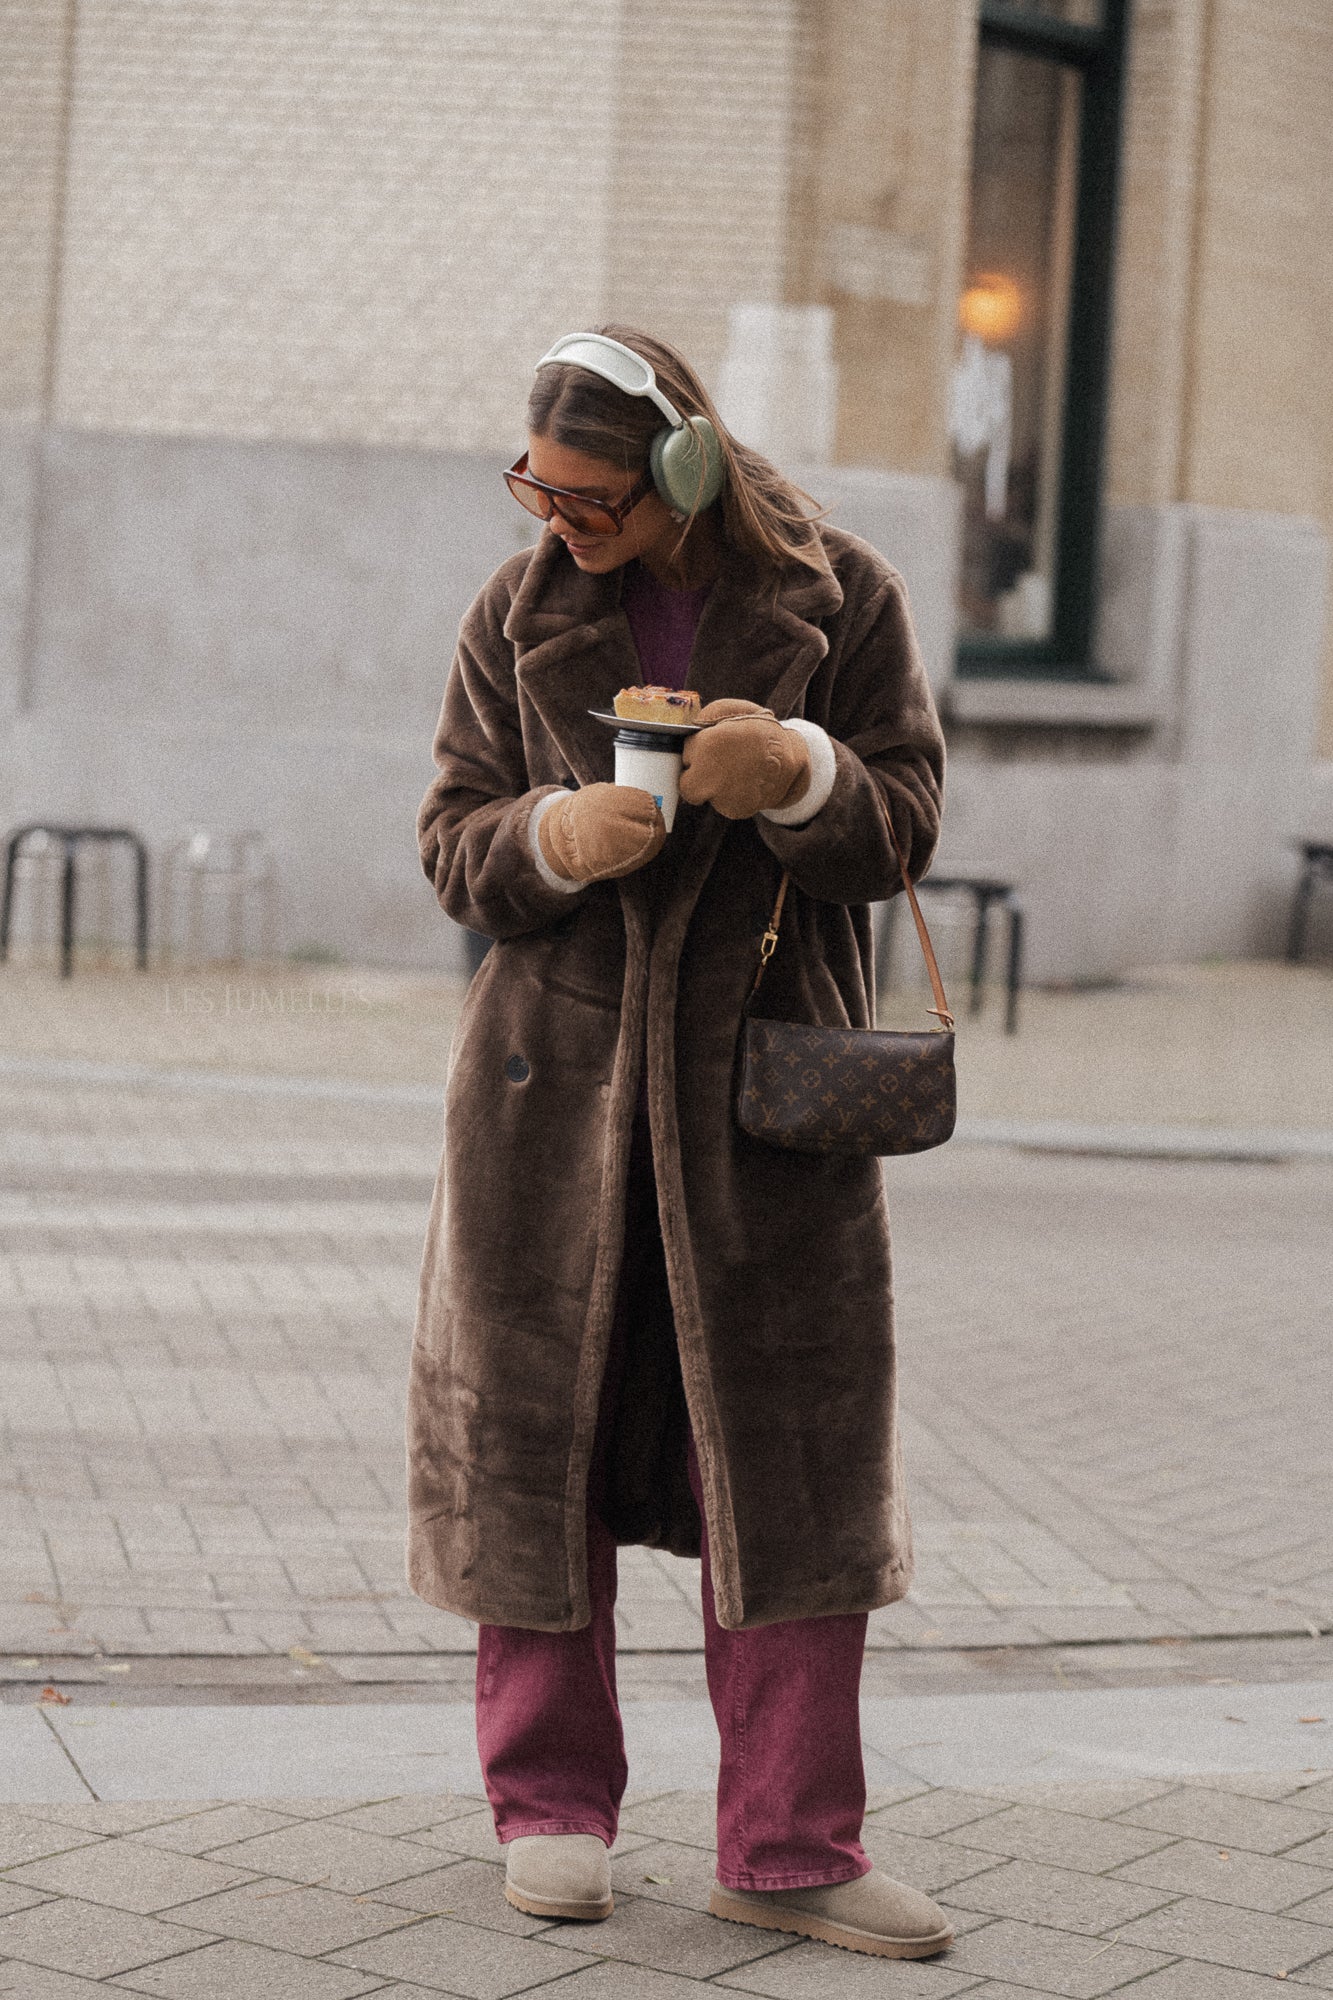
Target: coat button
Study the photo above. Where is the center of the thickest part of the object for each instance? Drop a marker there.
(517, 1070)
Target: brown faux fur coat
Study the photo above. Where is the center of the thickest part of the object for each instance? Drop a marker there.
(778, 1263)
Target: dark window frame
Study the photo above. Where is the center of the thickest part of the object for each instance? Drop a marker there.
(1098, 54)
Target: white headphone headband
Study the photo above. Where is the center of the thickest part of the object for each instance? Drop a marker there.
(615, 363)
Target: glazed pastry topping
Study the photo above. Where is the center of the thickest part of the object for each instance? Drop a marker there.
(657, 704)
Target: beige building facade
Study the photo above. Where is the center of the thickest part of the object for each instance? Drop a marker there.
(276, 277)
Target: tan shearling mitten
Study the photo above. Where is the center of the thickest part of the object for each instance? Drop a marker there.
(600, 832)
(743, 761)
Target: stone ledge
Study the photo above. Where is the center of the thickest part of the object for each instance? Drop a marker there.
(1053, 703)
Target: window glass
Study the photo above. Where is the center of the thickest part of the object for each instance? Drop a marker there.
(1007, 393)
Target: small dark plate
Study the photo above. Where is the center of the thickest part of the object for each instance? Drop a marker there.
(649, 728)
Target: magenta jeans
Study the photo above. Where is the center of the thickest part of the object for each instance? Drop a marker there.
(791, 1783)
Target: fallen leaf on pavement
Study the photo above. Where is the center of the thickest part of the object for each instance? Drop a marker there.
(51, 1694)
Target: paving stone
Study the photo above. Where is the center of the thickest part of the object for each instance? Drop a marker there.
(1249, 1940)
(399, 1816)
(306, 1809)
(33, 1982)
(23, 1838)
(690, 1817)
(1319, 1910)
(1316, 1795)
(669, 1938)
(809, 1971)
(81, 1937)
(1228, 1820)
(109, 1816)
(1066, 1901)
(125, 1875)
(459, 1958)
(1189, 1980)
(471, 1834)
(1097, 1798)
(276, 1913)
(666, 1871)
(936, 1812)
(1278, 1786)
(323, 1854)
(472, 1892)
(1065, 1840)
(230, 1970)
(214, 1828)
(1054, 1962)
(1231, 1875)
(13, 1898)
(1319, 1974)
(991, 1989)
(929, 1865)
(612, 1980)
(1313, 1853)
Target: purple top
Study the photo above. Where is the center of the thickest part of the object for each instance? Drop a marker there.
(663, 622)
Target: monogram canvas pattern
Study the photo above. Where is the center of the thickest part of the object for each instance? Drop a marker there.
(846, 1090)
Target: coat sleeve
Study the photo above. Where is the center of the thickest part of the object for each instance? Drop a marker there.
(886, 736)
(473, 826)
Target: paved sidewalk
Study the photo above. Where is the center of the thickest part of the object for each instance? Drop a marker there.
(1232, 1045)
(1113, 1369)
(1219, 1887)
(1115, 1380)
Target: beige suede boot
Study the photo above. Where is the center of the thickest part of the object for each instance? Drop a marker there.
(559, 1875)
(874, 1914)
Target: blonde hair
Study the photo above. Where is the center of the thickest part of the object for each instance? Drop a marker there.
(763, 512)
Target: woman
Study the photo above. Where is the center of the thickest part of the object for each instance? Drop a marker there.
(637, 1324)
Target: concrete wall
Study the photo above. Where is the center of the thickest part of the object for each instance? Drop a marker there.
(1162, 826)
(242, 635)
(257, 635)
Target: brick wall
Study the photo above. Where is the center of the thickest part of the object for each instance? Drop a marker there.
(361, 219)
(348, 219)
(700, 182)
(1260, 414)
(878, 212)
(32, 109)
(1224, 318)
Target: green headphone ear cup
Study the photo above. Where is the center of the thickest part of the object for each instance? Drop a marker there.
(687, 465)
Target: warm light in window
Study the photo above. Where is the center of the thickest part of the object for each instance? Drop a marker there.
(991, 308)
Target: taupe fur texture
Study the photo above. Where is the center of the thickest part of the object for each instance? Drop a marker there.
(778, 1263)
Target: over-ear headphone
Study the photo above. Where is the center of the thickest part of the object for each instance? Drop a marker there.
(685, 457)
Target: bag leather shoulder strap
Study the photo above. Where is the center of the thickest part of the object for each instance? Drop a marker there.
(769, 943)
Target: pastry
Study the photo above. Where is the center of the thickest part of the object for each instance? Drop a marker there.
(657, 704)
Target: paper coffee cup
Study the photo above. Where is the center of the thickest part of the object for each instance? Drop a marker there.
(642, 761)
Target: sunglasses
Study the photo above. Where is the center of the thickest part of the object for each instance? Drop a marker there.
(585, 516)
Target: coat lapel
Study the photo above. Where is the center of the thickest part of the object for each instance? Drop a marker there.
(758, 640)
(574, 653)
